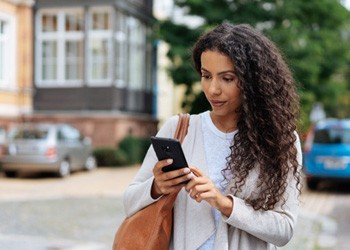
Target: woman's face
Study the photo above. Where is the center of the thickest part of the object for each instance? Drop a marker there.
(220, 84)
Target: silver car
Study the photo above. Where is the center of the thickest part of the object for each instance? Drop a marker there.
(57, 148)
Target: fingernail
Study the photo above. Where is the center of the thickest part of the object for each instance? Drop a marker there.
(190, 176)
(169, 161)
(187, 171)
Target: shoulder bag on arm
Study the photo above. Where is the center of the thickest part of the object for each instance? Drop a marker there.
(151, 227)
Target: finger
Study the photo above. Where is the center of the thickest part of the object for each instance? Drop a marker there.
(196, 171)
(177, 173)
(179, 180)
(184, 179)
(173, 185)
(198, 190)
(197, 197)
(160, 164)
(194, 182)
(157, 170)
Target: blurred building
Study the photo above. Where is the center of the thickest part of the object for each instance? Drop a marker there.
(169, 96)
(93, 67)
(16, 60)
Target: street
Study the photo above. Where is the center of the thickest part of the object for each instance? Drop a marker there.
(331, 205)
(84, 210)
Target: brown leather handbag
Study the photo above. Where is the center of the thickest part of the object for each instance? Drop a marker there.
(151, 227)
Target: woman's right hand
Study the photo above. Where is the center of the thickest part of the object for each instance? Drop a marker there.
(168, 182)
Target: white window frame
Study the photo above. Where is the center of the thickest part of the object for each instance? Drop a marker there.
(61, 37)
(100, 34)
(9, 55)
(121, 42)
(136, 54)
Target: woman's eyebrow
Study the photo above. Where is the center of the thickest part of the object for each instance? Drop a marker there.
(220, 73)
(226, 71)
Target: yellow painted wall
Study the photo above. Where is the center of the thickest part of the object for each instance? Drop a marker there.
(15, 98)
(24, 56)
(7, 7)
(20, 97)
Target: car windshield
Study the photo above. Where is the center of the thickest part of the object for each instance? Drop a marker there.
(30, 133)
(332, 136)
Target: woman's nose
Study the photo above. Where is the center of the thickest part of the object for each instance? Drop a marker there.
(215, 88)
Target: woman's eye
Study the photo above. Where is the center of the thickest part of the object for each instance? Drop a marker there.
(228, 79)
(206, 76)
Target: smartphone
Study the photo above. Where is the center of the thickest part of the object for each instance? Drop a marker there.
(169, 148)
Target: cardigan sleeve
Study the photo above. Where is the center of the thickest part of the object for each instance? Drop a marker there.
(273, 226)
(138, 193)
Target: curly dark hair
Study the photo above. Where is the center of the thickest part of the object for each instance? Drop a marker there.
(268, 114)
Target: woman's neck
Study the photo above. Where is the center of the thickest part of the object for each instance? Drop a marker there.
(223, 123)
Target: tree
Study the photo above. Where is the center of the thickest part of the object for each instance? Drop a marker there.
(313, 35)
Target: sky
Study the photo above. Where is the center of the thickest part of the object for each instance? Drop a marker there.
(347, 4)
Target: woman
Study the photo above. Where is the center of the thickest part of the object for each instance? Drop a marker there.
(245, 150)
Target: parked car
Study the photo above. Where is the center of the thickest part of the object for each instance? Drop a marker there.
(327, 152)
(58, 148)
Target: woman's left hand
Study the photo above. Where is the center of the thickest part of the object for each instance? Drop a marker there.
(202, 188)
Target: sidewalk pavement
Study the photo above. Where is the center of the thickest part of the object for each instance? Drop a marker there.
(83, 212)
(313, 232)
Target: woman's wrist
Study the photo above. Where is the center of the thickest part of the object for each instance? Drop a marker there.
(226, 206)
(155, 192)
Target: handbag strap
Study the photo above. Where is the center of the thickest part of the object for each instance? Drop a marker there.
(182, 127)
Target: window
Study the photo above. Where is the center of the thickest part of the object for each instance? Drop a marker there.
(149, 60)
(7, 52)
(111, 49)
(68, 133)
(30, 133)
(120, 49)
(3, 43)
(332, 136)
(49, 57)
(100, 47)
(60, 48)
(137, 54)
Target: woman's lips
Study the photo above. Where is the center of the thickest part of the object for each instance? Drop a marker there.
(216, 103)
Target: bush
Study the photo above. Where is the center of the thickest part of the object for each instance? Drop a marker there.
(135, 148)
(108, 156)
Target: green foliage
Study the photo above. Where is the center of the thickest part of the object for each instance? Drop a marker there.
(313, 36)
(111, 157)
(131, 150)
(135, 148)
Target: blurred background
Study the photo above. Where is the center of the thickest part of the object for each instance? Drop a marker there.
(85, 83)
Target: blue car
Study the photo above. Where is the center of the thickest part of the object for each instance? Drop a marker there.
(327, 152)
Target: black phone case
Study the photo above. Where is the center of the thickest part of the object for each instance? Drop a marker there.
(169, 148)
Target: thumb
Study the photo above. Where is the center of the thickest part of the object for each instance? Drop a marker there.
(196, 172)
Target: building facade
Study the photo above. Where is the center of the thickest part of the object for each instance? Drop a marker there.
(16, 61)
(94, 67)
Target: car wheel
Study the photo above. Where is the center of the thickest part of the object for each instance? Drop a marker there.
(10, 174)
(64, 168)
(312, 184)
(90, 163)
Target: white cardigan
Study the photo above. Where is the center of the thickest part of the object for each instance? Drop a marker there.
(194, 222)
